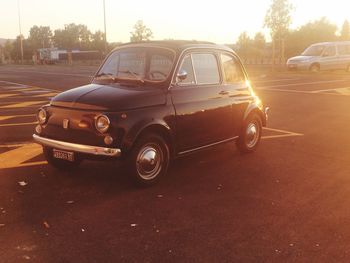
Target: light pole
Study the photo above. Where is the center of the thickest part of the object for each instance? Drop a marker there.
(20, 31)
(104, 20)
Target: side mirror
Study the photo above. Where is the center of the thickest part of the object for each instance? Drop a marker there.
(182, 75)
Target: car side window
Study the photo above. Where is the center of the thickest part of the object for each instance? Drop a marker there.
(344, 50)
(188, 68)
(232, 71)
(329, 52)
(206, 68)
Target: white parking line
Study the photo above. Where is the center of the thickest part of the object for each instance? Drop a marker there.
(300, 84)
(52, 73)
(273, 80)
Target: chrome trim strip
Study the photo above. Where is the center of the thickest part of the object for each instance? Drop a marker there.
(88, 149)
(208, 145)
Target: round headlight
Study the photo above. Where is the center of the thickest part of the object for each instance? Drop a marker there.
(102, 123)
(42, 116)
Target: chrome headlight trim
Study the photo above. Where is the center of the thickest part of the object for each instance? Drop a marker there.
(99, 127)
(41, 116)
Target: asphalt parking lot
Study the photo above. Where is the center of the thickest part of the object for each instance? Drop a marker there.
(288, 202)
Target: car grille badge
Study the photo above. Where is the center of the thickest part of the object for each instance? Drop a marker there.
(65, 124)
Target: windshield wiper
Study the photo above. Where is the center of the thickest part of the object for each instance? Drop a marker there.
(134, 74)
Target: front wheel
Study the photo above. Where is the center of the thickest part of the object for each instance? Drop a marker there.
(149, 159)
(58, 163)
(250, 135)
(315, 68)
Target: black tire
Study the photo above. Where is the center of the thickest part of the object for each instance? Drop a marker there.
(250, 134)
(62, 165)
(148, 160)
(315, 68)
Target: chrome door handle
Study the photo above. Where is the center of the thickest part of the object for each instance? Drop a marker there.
(223, 92)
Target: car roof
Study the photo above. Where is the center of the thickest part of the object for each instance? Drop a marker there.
(177, 45)
(332, 43)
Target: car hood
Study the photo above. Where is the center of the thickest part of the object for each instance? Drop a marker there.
(114, 97)
(300, 58)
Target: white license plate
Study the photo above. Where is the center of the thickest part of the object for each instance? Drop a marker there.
(63, 155)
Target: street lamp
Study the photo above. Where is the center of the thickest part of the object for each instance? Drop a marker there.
(20, 31)
(104, 20)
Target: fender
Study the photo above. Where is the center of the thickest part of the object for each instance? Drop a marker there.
(155, 125)
(256, 106)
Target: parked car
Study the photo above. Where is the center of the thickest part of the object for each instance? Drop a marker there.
(323, 56)
(150, 102)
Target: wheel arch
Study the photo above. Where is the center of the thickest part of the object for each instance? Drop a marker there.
(315, 64)
(254, 108)
(159, 128)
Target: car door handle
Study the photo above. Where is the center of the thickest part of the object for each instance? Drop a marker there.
(223, 92)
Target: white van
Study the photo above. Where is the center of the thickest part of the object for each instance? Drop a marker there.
(323, 56)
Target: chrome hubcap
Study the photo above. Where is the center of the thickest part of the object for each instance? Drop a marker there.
(149, 161)
(252, 135)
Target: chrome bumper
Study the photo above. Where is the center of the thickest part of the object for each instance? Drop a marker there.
(81, 148)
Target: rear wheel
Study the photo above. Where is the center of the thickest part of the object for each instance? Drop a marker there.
(58, 163)
(149, 159)
(250, 136)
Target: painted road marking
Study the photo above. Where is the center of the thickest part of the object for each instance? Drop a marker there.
(23, 85)
(284, 134)
(17, 157)
(3, 96)
(22, 104)
(301, 84)
(53, 73)
(47, 94)
(9, 117)
(18, 124)
(273, 80)
(343, 91)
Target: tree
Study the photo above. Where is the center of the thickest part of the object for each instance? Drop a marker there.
(98, 41)
(278, 20)
(345, 31)
(244, 45)
(8, 49)
(40, 37)
(259, 44)
(141, 32)
(73, 36)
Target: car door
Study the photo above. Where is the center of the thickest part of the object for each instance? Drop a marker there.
(237, 87)
(329, 59)
(344, 55)
(203, 109)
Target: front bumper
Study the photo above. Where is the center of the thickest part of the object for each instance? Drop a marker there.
(80, 148)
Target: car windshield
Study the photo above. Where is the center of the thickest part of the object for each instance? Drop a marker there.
(314, 51)
(139, 64)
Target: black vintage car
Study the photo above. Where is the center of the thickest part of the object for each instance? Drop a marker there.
(150, 102)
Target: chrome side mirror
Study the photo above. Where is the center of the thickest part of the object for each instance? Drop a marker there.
(182, 75)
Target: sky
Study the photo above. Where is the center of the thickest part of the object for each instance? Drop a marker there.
(219, 21)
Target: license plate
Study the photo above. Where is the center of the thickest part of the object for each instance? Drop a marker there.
(63, 155)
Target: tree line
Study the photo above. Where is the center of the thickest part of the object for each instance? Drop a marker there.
(286, 42)
(72, 36)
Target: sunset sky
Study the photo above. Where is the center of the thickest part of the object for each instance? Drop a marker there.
(220, 21)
